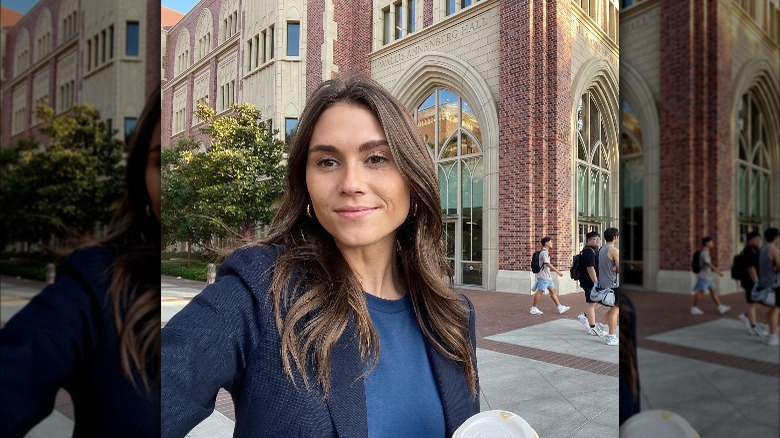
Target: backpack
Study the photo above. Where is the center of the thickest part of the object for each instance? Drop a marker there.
(738, 268)
(536, 265)
(696, 262)
(574, 271)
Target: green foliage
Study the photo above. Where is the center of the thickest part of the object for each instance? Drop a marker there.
(64, 189)
(228, 189)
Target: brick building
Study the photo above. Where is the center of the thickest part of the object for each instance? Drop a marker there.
(518, 102)
(68, 52)
(700, 133)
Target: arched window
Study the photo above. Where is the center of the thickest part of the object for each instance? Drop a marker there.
(451, 130)
(203, 32)
(182, 52)
(43, 42)
(594, 168)
(632, 202)
(228, 20)
(21, 52)
(67, 19)
(754, 169)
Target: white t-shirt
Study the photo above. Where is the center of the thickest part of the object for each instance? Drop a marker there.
(544, 258)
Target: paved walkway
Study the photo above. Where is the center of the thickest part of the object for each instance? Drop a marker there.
(559, 379)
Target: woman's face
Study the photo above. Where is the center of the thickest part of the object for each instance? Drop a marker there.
(357, 192)
(153, 171)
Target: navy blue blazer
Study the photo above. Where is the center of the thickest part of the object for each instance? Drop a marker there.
(226, 337)
(66, 337)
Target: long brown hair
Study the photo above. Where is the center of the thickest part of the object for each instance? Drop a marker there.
(312, 311)
(135, 278)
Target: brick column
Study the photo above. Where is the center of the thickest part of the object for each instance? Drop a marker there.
(352, 48)
(694, 115)
(534, 123)
(315, 37)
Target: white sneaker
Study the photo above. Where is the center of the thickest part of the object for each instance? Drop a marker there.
(696, 311)
(762, 330)
(746, 322)
(772, 340)
(562, 308)
(599, 332)
(611, 339)
(535, 311)
(584, 321)
(723, 308)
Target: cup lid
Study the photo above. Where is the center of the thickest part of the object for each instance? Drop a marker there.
(655, 423)
(498, 424)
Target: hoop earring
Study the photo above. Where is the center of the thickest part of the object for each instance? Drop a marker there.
(148, 211)
(308, 211)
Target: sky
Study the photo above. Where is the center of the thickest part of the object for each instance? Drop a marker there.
(23, 6)
(182, 6)
(19, 5)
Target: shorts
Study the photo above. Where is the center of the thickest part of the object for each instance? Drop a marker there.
(542, 285)
(748, 286)
(703, 284)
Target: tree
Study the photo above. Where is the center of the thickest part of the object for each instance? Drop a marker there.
(228, 189)
(69, 186)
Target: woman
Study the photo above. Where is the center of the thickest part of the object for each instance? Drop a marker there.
(340, 324)
(95, 331)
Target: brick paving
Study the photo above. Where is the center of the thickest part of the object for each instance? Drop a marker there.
(659, 312)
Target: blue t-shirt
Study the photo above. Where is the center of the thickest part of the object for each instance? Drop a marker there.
(401, 395)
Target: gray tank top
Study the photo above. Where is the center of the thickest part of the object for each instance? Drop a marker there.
(766, 274)
(607, 277)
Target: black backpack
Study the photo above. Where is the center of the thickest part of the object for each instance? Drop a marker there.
(696, 262)
(574, 271)
(738, 268)
(536, 265)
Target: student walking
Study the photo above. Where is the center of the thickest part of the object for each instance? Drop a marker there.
(769, 277)
(748, 279)
(705, 281)
(544, 279)
(588, 265)
(608, 266)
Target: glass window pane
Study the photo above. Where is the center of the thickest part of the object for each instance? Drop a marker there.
(386, 25)
(742, 190)
(593, 115)
(448, 114)
(289, 127)
(131, 45)
(130, 123)
(426, 122)
(592, 193)
(410, 16)
(605, 198)
(450, 149)
(450, 9)
(581, 190)
(468, 145)
(448, 187)
(399, 21)
(582, 153)
(293, 39)
(582, 117)
(469, 121)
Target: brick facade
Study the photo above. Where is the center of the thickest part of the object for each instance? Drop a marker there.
(111, 86)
